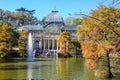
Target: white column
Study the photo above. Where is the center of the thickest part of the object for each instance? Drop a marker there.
(53, 44)
(40, 44)
(44, 44)
(57, 44)
(48, 44)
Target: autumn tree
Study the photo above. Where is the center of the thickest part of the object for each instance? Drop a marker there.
(64, 40)
(22, 43)
(6, 39)
(99, 35)
(77, 21)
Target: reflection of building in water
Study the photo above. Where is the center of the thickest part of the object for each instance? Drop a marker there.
(45, 36)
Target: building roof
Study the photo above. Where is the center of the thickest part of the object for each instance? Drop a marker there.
(69, 27)
(32, 27)
(53, 24)
(54, 16)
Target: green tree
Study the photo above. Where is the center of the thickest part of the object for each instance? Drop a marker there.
(43, 21)
(24, 10)
(25, 17)
(6, 39)
(22, 43)
(69, 20)
(100, 34)
(75, 47)
(20, 18)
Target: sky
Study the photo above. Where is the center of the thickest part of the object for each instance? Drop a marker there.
(44, 7)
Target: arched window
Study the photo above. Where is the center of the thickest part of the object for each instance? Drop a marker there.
(36, 44)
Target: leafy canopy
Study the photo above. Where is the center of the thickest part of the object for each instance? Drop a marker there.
(100, 32)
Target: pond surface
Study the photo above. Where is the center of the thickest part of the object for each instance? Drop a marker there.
(45, 69)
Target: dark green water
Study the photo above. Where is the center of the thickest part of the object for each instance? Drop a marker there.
(45, 69)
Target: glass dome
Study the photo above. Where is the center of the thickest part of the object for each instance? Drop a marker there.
(53, 29)
(54, 16)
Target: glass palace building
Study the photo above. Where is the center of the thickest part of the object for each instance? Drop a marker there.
(45, 36)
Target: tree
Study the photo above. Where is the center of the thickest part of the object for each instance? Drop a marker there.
(113, 3)
(43, 21)
(64, 40)
(1, 14)
(25, 17)
(6, 39)
(77, 21)
(22, 43)
(69, 20)
(99, 35)
(22, 17)
(24, 10)
(75, 47)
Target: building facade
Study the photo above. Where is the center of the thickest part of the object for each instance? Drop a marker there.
(45, 36)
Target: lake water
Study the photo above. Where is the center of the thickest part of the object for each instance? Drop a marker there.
(45, 69)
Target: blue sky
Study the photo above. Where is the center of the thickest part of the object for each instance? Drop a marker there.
(44, 7)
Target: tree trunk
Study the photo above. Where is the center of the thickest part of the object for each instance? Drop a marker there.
(109, 73)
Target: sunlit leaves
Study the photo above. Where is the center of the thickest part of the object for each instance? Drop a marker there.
(92, 50)
(100, 33)
(98, 72)
(6, 39)
(105, 19)
(77, 21)
(22, 42)
(90, 64)
(64, 42)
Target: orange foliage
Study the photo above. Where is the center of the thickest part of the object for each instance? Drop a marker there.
(98, 72)
(95, 29)
(90, 64)
(92, 50)
(99, 34)
(64, 42)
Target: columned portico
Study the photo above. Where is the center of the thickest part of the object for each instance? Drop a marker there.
(47, 44)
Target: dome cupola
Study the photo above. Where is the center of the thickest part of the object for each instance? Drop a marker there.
(54, 16)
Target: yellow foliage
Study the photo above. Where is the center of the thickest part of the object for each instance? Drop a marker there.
(92, 50)
(99, 34)
(22, 42)
(98, 72)
(90, 64)
(6, 38)
(64, 42)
